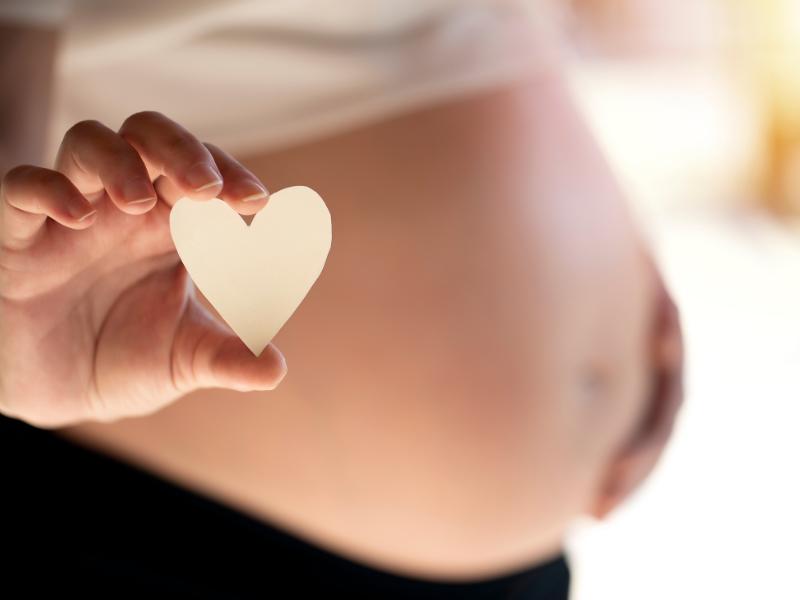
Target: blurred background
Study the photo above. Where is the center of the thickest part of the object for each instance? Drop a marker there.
(697, 105)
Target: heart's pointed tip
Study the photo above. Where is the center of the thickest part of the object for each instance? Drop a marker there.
(257, 349)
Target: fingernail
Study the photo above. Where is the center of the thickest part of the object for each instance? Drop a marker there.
(256, 196)
(203, 176)
(138, 191)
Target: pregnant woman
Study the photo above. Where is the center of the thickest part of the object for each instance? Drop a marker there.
(488, 353)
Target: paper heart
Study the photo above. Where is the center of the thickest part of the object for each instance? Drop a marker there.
(254, 276)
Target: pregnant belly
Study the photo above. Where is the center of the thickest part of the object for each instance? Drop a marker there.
(441, 414)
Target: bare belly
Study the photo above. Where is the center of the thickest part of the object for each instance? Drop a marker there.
(435, 419)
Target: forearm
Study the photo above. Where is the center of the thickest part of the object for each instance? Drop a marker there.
(27, 58)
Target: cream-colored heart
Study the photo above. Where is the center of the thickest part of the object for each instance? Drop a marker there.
(254, 276)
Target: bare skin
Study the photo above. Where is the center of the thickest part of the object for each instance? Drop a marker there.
(488, 352)
(100, 282)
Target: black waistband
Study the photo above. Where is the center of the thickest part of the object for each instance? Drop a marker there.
(82, 521)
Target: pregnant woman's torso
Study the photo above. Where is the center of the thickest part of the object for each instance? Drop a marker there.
(483, 308)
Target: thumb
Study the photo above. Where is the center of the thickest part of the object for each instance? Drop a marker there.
(214, 356)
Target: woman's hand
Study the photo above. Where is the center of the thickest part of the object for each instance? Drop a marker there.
(98, 317)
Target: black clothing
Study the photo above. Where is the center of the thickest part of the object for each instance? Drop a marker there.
(76, 521)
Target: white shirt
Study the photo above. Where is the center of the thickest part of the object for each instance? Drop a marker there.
(250, 75)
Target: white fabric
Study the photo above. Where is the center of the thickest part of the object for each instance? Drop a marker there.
(254, 74)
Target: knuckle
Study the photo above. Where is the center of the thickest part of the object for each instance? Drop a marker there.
(49, 178)
(141, 117)
(17, 174)
(29, 178)
(182, 143)
(121, 153)
(81, 129)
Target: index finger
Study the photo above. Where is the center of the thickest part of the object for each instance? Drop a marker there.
(170, 150)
